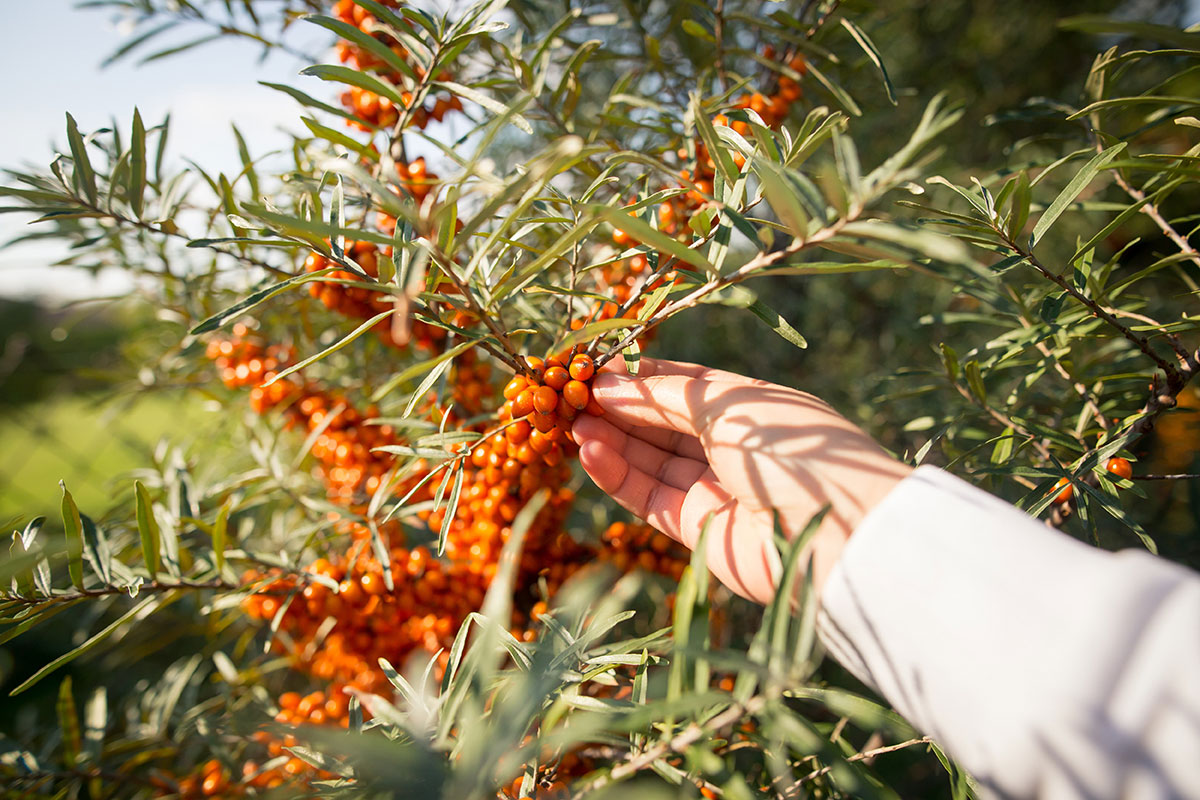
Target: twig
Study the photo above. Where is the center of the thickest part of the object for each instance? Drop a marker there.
(1182, 476)
(865, 754)
(108, 591)
(747, 270)
(680, 742)
(1140, 342)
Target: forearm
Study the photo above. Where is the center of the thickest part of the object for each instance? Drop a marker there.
(1046, 667)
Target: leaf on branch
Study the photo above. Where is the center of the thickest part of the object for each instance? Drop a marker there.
(1072, 190)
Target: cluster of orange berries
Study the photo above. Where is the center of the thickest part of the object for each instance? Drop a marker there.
(1117, 466)
(622, 277)
(361, 302)
(524, 451)
(540, 406)
(212, 780)
(374, 109)
(246, 361)
(429, 599)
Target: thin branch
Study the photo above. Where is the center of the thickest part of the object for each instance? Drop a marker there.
(1140, 342)
(108, 591)
(864, 755)
(678, 743)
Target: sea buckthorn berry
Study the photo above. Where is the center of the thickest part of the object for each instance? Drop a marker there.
(545, 400)
(556, 377)
(543, 422)
(565, 411)
(1120, 467)
(1066, 490)
(536, 365)
(523, 404)
(540, 442)
(576, 393)
(517, 385)
(582, 368)
(517, 432)
(594, 408)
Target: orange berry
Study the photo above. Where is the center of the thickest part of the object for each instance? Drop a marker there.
(517, 432)
(1067, 490)
(523, 404)
(515, 387)
(536, 365)
(1120, 467)
(542, 422)
(576, 393)
(545, 400)
(556, 377)
(582, 367)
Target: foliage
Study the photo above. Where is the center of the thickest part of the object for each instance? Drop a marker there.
(388, 580)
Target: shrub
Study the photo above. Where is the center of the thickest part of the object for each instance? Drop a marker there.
(381, 573)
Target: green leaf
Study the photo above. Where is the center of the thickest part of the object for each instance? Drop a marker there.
(84, 173)
(220, 530)
(1104, 24)
(872, 52)
(148, 529)
(419, 368)
(1019, 206)
(693, 28)
(1072, 190)
(217, 320)
(137, 165)
(450, 511)
(975, 380)
(333, 348)
(73, 528)
(775, 321)
(96, 549)
(650, 237)
(90, 644)
(353, 77)
(491, 104)
(366, 41)
(68, 724)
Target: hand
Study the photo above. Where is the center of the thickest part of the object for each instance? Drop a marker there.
(681, 441)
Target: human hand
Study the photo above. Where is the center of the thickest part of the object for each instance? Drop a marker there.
(680, 441)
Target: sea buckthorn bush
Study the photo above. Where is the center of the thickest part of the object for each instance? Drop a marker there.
(382, 572)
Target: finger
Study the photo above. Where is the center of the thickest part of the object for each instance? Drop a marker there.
(739, 545)
(673, 402)
(658, 367)
(665, 466)
(662, 438)
(636, 491)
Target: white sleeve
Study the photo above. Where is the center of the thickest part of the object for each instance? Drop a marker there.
(1046, 667)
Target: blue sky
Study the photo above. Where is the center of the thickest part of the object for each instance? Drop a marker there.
(57, 51)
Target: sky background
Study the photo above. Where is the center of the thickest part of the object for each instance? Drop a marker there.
(204, 89)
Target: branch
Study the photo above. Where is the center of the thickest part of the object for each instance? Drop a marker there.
(864, 755)
(680, 742)
(1140, 342)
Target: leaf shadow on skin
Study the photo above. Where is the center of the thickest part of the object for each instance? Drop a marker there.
(747, 468)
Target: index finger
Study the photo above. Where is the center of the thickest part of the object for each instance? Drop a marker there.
(659, 367)
(673, 402)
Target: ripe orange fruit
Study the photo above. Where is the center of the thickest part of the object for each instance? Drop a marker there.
(556, 377)
(522, 405)
(545, 400)
(1064, 496)
(582, 368)
(517, 385)
(1120, 467)
(576, 393)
